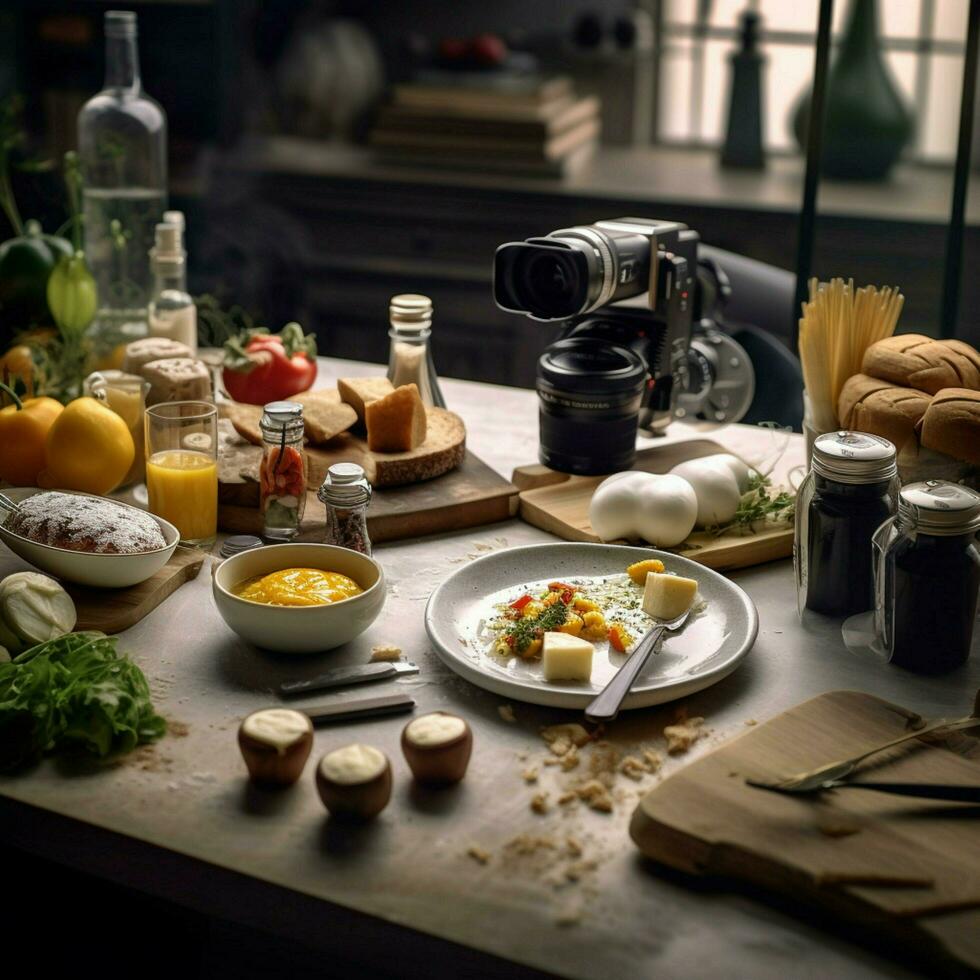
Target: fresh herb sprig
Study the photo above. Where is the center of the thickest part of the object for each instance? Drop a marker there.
(527, 630)
(759, 504)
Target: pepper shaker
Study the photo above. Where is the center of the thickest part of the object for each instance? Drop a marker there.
(927, 577)
(852, 487)
(282, 472)
(346, 494)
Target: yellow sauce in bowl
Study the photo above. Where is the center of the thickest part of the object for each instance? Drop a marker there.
(298, 587)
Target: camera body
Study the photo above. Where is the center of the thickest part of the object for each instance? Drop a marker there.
(625, 290)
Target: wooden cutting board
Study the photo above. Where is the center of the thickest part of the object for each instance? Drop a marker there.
(114, 610)
(469, 496)
(559, 503)
(908, 869)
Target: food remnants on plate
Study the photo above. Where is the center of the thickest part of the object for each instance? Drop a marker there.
(561, 623)
(298, 587)
(82, 523)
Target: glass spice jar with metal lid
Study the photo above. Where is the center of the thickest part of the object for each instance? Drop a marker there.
(410, 356)
(346, 493)
(852, 487)
(927, 577)
(282, 471)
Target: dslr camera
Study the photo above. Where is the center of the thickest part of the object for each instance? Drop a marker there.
(630, 354)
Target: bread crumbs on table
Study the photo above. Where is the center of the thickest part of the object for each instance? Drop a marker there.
(506, 713)
(479, 854)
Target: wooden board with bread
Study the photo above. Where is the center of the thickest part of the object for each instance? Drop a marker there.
(414, 456)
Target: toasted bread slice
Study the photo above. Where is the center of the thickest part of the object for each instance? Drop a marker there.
(324, 414)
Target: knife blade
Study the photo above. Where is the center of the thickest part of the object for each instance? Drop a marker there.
(346, 677)
(388, 704)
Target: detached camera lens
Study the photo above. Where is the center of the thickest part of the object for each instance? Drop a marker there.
(590, 394)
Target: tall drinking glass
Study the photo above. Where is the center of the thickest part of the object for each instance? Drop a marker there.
(125, 394)
(182, 468)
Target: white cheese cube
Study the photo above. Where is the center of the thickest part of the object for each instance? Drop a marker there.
(566, 658)
(668, 596)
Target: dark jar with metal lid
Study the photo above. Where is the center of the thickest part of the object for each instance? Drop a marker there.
(346, 493)
(282, 472)
(927, 577)
(852, 487)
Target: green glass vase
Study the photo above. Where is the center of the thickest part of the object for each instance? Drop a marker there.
(867, 123)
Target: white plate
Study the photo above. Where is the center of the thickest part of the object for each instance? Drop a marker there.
(710, 646)
(85, 568)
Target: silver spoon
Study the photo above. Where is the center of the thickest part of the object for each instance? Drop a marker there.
(608, 701)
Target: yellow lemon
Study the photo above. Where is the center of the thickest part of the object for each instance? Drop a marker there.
(89, 448)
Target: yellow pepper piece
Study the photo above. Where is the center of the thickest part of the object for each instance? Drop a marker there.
(573, 625)
(639, 570)
(585, 605)
(594, 625)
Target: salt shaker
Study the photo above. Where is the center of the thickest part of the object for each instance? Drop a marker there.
(410, 357)
(346, 494)
(282, 472)
(927, 577)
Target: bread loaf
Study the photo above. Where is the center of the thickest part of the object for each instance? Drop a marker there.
(142, 352)
(357, 392)
(870, 405)
(951, 424)
(396, 423)
(916, 361)
(177, 379)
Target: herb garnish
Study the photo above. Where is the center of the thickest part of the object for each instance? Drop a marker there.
(527, 630)
(758, 504)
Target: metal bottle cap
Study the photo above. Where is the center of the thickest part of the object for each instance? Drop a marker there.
(939, 507)
(410, 311)
(238, 543)
(853, 457)
(345, 485)
(278, 417)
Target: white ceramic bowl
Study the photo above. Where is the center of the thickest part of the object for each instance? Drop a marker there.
(299, 629)
(85, 568)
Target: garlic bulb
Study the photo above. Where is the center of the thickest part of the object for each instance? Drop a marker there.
(659, 508)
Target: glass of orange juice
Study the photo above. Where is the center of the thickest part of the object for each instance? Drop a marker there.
(182, 468)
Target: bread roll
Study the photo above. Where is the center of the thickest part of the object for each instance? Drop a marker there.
(920, 362)
(397, 422)
(951, 424)
(871, 405)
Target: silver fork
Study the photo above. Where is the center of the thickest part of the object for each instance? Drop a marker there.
(817, 779)
(608, 701)
(7, 504)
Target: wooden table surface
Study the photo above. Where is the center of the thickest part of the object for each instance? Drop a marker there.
(180, 821)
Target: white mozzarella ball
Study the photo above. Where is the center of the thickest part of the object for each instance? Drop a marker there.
(715, 486)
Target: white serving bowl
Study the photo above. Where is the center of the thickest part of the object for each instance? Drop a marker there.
(299, 629)
(99, 570)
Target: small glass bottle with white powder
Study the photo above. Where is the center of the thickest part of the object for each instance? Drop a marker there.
(172, 313)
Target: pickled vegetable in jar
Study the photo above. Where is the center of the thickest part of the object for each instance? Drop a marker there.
(282, 471)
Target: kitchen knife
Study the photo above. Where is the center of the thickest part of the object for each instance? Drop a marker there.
(347, 677)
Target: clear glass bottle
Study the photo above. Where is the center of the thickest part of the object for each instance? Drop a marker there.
(346, 494)
(122, 145)
(282, 471)
(410, 356)
(852, 487)
(172, 313)
(927, 577)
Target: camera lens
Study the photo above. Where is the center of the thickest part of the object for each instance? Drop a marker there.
(589, 393)
(548, 282)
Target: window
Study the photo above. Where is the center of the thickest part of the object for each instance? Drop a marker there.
(922, 41)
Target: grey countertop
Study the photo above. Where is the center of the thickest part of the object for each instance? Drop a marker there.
(187, 796)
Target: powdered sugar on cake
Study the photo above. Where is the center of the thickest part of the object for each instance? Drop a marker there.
(90, 524)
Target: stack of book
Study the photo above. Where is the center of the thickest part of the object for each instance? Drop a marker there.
(517, 124)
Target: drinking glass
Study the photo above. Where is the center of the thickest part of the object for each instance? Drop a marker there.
(125, 394)
(182, 468)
